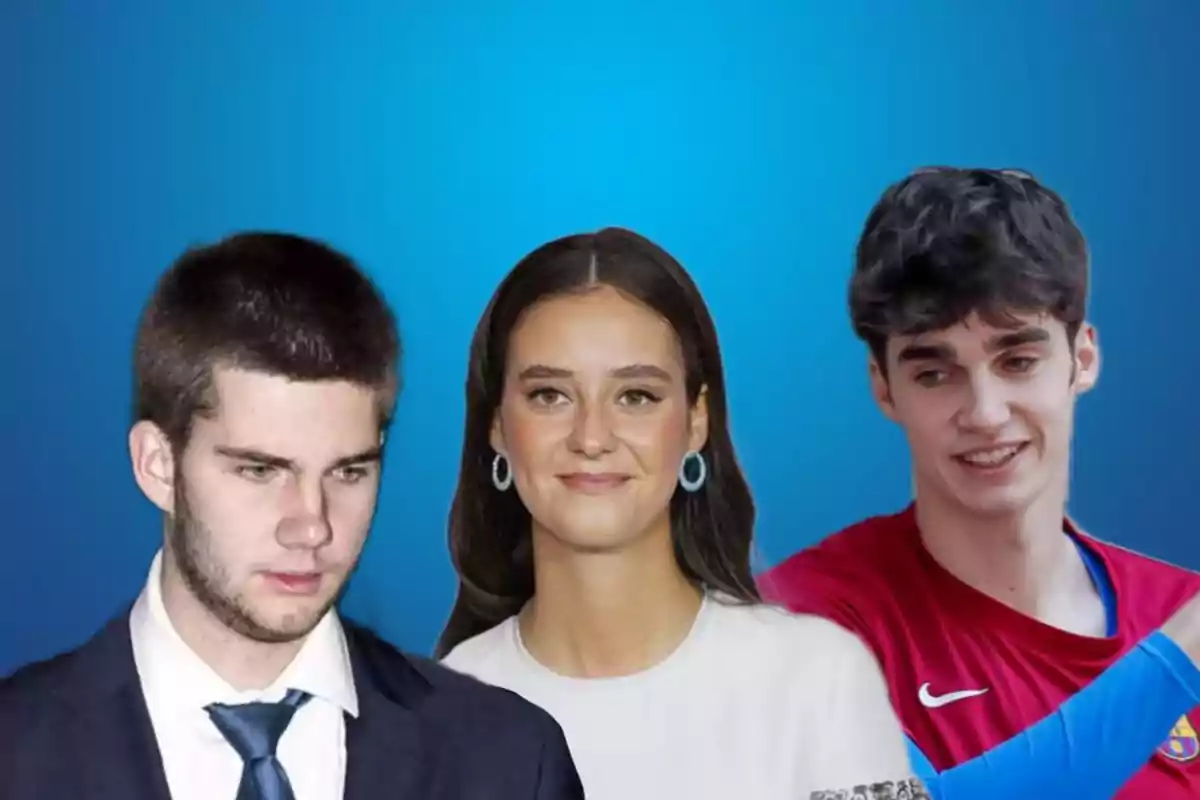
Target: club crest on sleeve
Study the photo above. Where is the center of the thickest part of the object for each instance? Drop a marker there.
(1182, 744)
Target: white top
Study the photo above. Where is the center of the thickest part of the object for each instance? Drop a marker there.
(200, 763)
(756, 703)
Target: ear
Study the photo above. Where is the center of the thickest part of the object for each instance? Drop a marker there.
(698, 421)
(881, 390)
(496, 437)
(1087, 358)
(153, 464)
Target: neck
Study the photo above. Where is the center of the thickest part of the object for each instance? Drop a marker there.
(607, 614)
(243, 663)
(1023, 559)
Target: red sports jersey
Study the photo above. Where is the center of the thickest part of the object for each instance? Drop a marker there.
(966, 672)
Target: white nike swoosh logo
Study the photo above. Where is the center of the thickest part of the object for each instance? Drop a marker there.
(937, 701)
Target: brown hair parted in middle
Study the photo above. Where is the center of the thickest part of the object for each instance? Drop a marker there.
(490, 531)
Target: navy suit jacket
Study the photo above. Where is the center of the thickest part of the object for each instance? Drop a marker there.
(76, 727)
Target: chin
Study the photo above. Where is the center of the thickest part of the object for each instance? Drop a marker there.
(285, 627)
(1001, 501)
(287, 620)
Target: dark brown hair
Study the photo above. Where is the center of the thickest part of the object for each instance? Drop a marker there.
(489, 530)
(945, 242)
(272, 302)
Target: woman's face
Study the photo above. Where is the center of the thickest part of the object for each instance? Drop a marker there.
(595, 420)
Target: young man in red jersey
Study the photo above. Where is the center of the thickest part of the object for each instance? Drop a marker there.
(1025, 657)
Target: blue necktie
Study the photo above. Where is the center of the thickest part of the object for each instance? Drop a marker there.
(254, 730)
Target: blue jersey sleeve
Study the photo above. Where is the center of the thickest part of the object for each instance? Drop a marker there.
(1093, 744)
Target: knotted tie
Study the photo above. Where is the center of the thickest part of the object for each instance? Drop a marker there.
(254, 730)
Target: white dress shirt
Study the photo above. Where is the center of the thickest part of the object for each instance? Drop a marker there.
(200, 763)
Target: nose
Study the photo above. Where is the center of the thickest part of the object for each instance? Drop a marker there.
(592, 433)
(305, 522)
(986, 405)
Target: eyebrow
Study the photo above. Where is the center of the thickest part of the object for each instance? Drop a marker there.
(998, 343)
(926, 352)
(266, 459)
(1007, 341)
(541, 371)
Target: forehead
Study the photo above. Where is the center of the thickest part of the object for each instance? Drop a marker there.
(277, 414)
(598, 328)
(977, 337)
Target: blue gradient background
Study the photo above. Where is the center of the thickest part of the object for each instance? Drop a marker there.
(749, 138)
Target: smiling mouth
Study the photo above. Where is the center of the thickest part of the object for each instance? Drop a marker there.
(993, 457)
(593, 482)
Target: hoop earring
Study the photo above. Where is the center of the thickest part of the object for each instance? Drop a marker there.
(501, 484)
(693, 484)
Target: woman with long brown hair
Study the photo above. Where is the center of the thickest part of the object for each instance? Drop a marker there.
(602, 534)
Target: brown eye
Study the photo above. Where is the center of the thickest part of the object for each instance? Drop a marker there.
(352, 475)
(639, 397)
(258, 473)
(1020, 363)
(930, 377)
(546, 397)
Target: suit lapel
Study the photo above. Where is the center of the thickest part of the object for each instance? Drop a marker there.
(113, 725)
(387, 753)
(123, 757)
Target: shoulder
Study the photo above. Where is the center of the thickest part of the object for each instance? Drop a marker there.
(43, 683)
(1155, 588)
(863, 545)
(35, 716)
(476, 656)
(106, 659)
(796, 641)
(475, 715)
(845, 571)
(43, 700)
(457, 699)
(805, 663)
(808, 631)
(1143, 565)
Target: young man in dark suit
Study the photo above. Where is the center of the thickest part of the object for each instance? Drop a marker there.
(266, 374)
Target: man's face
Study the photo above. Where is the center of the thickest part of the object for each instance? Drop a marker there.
(273, 497)
(988, 411)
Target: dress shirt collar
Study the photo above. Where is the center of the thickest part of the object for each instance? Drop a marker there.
(172, 671)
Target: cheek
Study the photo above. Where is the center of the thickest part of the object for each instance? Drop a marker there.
(217, 500)
(928, 421)
(235, 514)
(658, 441)
(1048, 403)
(1050, 416)
(930, 445)
(531, 438)
(351, 509)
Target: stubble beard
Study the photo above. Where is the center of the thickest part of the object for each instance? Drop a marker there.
(208, 581)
